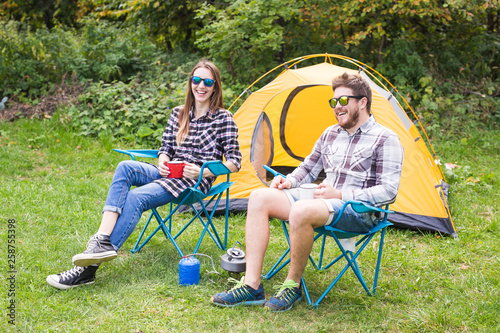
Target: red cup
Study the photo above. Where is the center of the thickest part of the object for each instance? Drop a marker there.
(176, 168)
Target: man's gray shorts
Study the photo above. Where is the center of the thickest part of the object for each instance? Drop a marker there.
(349, 221)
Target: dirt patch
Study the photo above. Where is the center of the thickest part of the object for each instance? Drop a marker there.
(63, 94)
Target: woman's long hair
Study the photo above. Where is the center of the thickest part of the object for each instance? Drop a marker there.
(216, 100)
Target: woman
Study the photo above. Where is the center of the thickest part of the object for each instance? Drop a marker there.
(199, 131)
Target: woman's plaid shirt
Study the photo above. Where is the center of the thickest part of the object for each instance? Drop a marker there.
(210, 138)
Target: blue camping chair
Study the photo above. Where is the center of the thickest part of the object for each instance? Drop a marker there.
(197, 200)
(349, 254)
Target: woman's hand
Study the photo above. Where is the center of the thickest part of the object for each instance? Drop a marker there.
(162, 165)
(192, 171)
(327, 191)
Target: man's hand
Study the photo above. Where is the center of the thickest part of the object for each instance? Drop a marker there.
(327, 191)
(280, 183)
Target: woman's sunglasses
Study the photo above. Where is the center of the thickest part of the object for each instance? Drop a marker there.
(343, 100)
(196, 80)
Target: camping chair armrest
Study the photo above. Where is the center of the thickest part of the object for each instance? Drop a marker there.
(133, 153)
(361, 207)
(216, 167)
(274, 172)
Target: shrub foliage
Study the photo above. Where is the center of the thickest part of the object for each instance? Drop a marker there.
(135, 55)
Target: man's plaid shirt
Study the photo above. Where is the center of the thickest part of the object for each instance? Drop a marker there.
(210, 137)
(365, 166)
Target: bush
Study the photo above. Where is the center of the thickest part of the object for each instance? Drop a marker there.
(32, 61)
(27, 65)
(136, 112)
(114, 53)
(463, 97)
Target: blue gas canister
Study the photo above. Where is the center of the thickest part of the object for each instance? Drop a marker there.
(189, 271)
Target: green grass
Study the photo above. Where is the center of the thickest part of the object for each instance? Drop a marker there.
(54, 183)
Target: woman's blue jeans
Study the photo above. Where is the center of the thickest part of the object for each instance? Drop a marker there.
(130, 204)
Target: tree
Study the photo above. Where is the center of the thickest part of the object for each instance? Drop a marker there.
(171, 23)
(246, 35)
(41, 13)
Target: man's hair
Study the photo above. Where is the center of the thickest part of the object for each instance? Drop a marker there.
(357, 84)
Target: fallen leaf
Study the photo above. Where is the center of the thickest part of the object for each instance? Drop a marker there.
(472, 180)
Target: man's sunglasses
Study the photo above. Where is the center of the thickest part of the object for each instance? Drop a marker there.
(343, 100)
(196, 80)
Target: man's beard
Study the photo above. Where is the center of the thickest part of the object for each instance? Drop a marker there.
(351, 121)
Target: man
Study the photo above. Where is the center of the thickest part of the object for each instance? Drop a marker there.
(362, 161)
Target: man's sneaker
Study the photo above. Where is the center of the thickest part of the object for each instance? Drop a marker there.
(99, 250)
(240, 294)
(288, 293)
(77, 276)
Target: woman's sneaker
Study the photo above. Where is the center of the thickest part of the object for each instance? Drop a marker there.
(99, 250)
(288, 293)
(77, 276)
(240, 294)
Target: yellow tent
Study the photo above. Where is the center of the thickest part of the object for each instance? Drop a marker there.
(279, 124)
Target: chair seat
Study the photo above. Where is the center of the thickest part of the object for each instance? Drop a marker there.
(349, 255)
(189, 197)
(338, 235)
(342, 234)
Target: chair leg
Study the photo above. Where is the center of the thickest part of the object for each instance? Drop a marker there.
(226, 226)
(136, 247)
(205, 229)
(206, 224)
(275, 270)
(346, 267)
(210, 223)
(379, 259)
(348, 255)
(187, 224)
(355, 268)
(306, 292)
(164, 229)
(351, 262)
(319, 265)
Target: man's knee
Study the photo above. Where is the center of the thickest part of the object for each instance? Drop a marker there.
(299, 214)
(308, 213)
(260, 198)
(273, 202)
